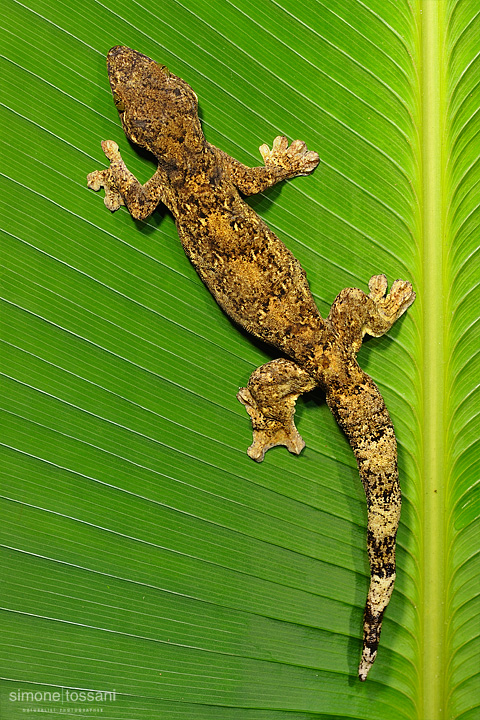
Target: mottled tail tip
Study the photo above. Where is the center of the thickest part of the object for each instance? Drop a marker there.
(368, 658)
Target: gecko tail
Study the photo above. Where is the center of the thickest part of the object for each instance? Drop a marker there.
(368, 658)
(362, 414)
(384, 505)
(378, 598)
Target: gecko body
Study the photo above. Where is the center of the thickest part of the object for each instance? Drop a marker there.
(262, 287)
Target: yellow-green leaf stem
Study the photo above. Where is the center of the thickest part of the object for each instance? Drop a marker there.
(432, 701)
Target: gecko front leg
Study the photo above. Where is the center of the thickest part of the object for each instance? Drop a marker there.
(282, 162)
(123, 188)
(294, 160)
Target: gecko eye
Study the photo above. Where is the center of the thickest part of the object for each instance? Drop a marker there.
(119, 104)
(165, 70)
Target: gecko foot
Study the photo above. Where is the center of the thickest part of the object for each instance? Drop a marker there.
(268, 431)
(270, 398)
(295, 159)
(391, 306)
(106, 178)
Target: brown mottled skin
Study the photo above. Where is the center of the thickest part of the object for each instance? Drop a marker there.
(258, 282)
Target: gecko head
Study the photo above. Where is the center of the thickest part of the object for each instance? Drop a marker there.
(156, 107)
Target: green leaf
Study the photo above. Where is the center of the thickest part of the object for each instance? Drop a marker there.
(144, 552)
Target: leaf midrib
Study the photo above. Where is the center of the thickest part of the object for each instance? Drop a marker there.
(433, 22)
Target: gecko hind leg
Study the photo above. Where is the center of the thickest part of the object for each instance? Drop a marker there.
(388, 307)
(354, 314)
(270, 398)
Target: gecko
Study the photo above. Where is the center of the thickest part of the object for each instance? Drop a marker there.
(259, 283)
